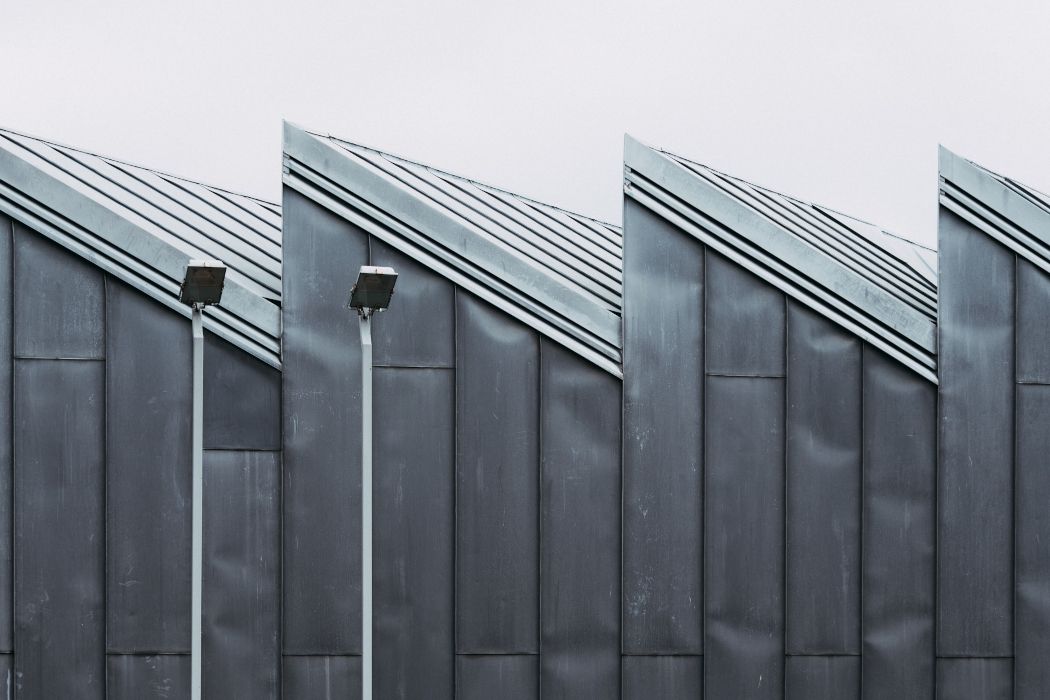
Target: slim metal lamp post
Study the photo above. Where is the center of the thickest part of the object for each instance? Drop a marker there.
(371, 293)
(201, 286)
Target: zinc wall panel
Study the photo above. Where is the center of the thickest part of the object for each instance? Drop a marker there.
(975, 498)
(898, 531)
(242, 399)
(148, 677)
(321, 678)
(6, 367)
(823, 487)
(7, 675)
(744, 318)
(507, 677)
(322, 446)
(59, 529)
(822, 677)
(414, 532)
(58, 301)
(744, 545)
(241, 574)
(148, 474)
(662, 438)
(664, 677)
(1033, 328)
(975, 679)
(580, 527)
(497, 482)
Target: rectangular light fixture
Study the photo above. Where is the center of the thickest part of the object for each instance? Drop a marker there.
(203, 282)
(375, 286)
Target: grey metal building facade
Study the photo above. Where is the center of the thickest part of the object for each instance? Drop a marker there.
(745, 447)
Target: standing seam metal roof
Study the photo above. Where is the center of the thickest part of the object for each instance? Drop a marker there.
(142, 226)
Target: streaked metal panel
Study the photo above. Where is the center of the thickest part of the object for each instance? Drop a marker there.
(508, 677)
(1032, 523)
(1033, 330)
(497, 482)
(898, 538)
(321, 678)
(822, 606)
(59, 529)
(58, 301)
(580, 526)
(322, 446)
(147, 677)
(417, 329)
(148, 458)
(663, 438)
(242, 574)
(665, 677)
(242, 399)
(975, 679)
(7, 675)
(744, 565)
(744, 321)
(822, 678)
(975, 497)
(414, 532)
(6, 453)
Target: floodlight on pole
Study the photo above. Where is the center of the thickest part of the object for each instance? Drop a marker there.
(201, 286)
(371, 293)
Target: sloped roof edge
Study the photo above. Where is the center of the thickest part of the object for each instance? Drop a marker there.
(760, 245)
(319, 169)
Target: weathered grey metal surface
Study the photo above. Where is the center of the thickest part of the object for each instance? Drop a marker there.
(663, 438)
(143, 226)
(554, 271)
(321, 678)
(975, 679)
(414, 531)
(508, 677)
(242, 574)
(823, 678)
(147, 677)
(7, 673)
(58, 301)
(497, 482)
(417, 330)
(1032, 326)
(744, 566)
(802, 250)
(59, 530)
(320, 393)
(580, 527)
(242, 399)
(822, 549)
(147, 475)
(1032, 532)
(667, 677)
(975, 498)
(744, 322)
(6, 445)
(898, 540)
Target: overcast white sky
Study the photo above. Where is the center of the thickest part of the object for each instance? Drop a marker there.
(820, 99)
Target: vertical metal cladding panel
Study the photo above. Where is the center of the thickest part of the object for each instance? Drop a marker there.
(1032, 633)
(497, 482)
(898, 532)
(148, 465)
(580, 527)
(241, 574)
(744, 548)
(823, 486)
(321, 678)
(59, 530)
(322, 419)
(7, 676)
(135, 677)
(507, 677)
(242, 399)
(744, 318)
(1033, 328)
(975, 679)
(822, 677)
(664, 677)
(975, 497)
(417, 330)
(663, 437)
(414, 532)
(58, 301)
(6, 366)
